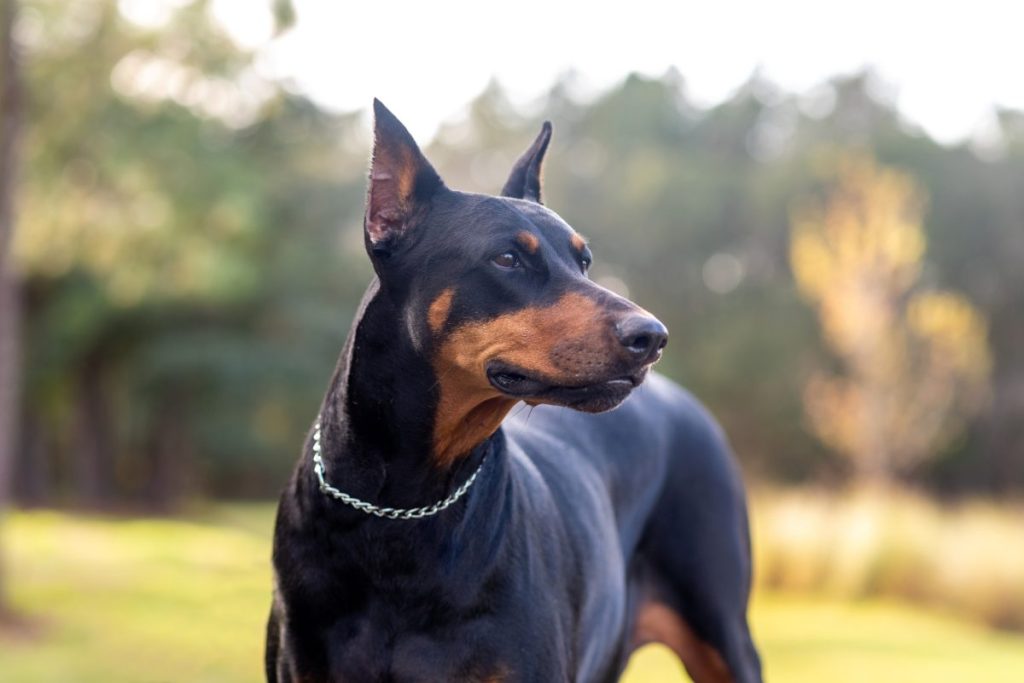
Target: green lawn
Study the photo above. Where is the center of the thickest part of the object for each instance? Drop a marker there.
(144, 601)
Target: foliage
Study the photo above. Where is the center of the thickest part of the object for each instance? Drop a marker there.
(915, 361)
(170, 340)
(191, 245)
(119, 601)
(899, 545)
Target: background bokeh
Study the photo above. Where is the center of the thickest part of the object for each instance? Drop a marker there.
(181, 257)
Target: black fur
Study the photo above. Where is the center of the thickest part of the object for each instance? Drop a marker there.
(576, 519)
(524, 181)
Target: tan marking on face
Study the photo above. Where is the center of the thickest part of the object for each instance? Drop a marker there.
(529, 241)
(658, 623)
(529, 338)
(578, 243)
(465, 420)
(567, 343)
(439, 309)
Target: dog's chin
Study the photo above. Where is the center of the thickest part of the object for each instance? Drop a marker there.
(590, 397)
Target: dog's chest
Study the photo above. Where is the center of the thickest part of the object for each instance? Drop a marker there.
(369, 650)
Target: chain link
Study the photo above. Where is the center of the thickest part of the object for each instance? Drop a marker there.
(385, 512)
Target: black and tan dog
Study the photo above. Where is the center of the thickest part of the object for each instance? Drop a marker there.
(542, 547)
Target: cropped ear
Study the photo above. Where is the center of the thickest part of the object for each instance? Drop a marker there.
(402, 182)
(524, 181)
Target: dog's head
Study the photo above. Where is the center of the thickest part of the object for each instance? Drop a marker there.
(494, 289)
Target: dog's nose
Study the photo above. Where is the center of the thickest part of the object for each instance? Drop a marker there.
(642, 336)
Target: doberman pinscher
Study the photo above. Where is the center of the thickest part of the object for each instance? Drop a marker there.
(426, 535)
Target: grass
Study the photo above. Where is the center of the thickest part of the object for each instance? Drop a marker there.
(149, 601)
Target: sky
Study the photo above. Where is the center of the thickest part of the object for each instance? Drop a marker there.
(945, 63)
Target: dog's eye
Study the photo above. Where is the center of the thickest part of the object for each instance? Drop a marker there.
(585, 265)
(507, 260)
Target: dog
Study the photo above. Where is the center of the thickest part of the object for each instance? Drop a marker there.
(428, 535)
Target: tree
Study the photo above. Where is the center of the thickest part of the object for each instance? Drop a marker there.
(180, 257)
(10, 120)
(915, 362)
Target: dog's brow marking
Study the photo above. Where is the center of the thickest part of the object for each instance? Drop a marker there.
(439, 309)
(529, 241)
(578, 242)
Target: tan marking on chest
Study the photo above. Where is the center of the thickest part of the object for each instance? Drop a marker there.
(500, 675)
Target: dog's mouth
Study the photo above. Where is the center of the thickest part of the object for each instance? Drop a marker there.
(590, 397)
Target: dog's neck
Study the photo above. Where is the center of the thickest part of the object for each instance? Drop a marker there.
(379, 412)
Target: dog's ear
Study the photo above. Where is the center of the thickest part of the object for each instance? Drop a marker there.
(524, 181)
(402, 181)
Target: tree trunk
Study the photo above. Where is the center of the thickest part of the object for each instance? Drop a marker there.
(93, 457)
(169, 453)
(10, 314)
(32, 476)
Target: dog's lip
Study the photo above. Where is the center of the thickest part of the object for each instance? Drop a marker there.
(518, 383)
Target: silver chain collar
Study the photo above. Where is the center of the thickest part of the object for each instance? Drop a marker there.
(389, 513)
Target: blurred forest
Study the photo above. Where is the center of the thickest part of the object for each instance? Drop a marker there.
(190, 253)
